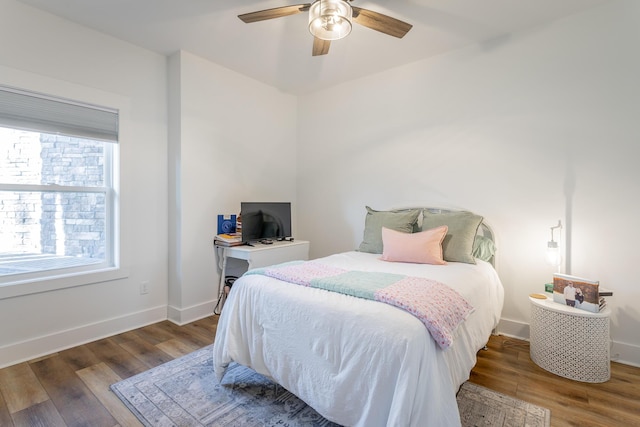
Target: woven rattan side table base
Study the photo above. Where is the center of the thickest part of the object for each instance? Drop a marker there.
(570, 342)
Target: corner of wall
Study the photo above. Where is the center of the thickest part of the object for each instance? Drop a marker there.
(182, 316)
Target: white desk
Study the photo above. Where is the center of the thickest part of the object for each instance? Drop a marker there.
(260, 255)
(570, 342)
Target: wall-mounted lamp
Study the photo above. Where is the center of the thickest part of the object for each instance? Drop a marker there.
(554, 257)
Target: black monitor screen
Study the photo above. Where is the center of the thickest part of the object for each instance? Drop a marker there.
(265, 220)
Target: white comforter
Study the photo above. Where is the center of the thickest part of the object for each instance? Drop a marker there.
(358, 362)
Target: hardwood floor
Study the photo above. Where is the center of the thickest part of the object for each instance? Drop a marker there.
(71, 387)
(507, 368)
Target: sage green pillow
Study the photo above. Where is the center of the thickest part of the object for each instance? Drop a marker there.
(399, 220)
(483, 248)
(457, 245)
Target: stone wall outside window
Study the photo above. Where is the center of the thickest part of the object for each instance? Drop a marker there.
(60, 223)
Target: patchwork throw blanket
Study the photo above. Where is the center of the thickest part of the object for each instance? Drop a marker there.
(440, 308)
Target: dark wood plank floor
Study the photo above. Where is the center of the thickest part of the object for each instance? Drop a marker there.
(507, 368)
(71, 388)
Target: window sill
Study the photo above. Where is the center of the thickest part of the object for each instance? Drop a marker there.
(35, 286)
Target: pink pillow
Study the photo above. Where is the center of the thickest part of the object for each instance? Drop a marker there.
(424, 247)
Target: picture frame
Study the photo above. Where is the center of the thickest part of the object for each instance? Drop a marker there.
(577, 292)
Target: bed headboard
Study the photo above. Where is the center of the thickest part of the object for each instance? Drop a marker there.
(484, 229)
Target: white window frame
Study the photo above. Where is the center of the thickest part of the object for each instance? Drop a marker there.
(109, 269)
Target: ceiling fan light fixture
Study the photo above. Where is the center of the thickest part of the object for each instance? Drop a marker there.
(330, 19)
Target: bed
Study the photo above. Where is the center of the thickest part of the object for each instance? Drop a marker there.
(358, 361)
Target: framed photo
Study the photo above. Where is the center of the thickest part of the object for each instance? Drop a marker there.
(576, 292)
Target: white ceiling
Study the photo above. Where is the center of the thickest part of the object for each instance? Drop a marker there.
(278, 51)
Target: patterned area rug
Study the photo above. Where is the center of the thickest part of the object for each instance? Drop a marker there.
(185, 393)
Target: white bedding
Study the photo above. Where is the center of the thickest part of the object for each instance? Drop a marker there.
(358, 362)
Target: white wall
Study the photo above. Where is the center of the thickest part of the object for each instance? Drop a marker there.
(235, 139)
(44, 53)
(224, 138)
(525, 130)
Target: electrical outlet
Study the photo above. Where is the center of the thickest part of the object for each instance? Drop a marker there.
(144, 287)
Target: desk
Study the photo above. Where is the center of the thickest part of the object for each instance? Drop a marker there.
(570, 342)
(260, 255)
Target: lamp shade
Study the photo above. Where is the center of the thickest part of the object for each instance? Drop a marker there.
(330, 19)
(553, 254)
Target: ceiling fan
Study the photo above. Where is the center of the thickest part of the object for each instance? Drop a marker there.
(332, 20)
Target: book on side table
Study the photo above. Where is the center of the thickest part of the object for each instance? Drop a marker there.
(228, 239)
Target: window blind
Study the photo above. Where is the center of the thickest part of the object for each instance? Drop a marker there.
(41, 113)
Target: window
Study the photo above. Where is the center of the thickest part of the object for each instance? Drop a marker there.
(57, 192)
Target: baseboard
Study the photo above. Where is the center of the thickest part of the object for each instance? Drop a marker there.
(513, 328)
(41, 346)
(182, 316)
(627, 354)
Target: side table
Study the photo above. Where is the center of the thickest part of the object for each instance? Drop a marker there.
(259, 255)
(570, 342)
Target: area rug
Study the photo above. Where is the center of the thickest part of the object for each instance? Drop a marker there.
(185, 393)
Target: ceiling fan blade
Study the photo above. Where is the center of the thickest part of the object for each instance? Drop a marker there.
(320, 47)
(276, 12)
(379, 22)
